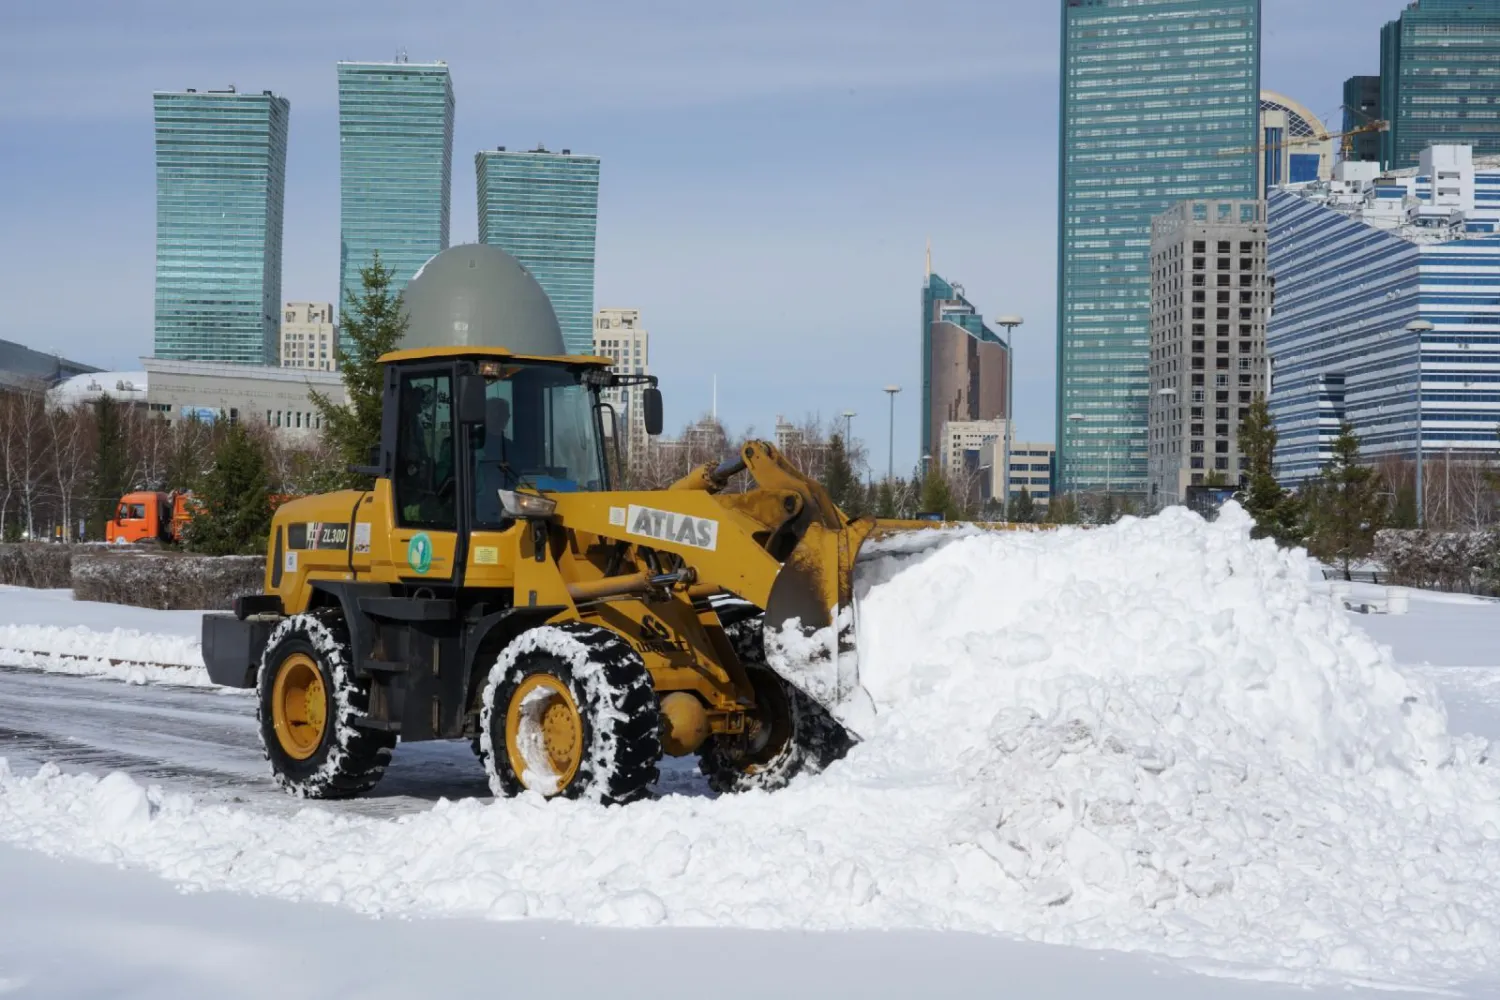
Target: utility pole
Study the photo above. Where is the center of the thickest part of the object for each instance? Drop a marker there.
(890, 461)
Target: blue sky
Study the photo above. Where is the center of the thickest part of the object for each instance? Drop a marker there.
(770, 172)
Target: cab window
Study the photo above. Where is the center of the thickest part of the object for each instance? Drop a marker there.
(424, 480)
(540, 433)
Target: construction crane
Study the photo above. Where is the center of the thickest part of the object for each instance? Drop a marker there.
(1347, 137)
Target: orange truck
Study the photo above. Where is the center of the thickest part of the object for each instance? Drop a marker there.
(159, 517)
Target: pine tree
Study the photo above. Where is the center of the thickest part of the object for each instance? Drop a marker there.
(937, 497)
(1023, 508)
(1062, 510)
(1404, 510)
(235, 513)
(885, 499)
(1277, 512)
(839, 479)
(372, 326)
(1345, 509)
(111, 478)
(1107, 513)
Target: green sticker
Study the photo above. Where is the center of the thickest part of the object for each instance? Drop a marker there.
(419, 552)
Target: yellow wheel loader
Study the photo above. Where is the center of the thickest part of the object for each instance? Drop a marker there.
(496, 585)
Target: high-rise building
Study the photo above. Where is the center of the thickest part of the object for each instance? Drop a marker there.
(1356, 261)
(1295, 146)
(220, 180)
(395, 168)
(1362, 108)
(964, 363)
(619, 336)
(1207, 257)
(1160, 101)
(1438, 79)
(542, 208)
(309, 336)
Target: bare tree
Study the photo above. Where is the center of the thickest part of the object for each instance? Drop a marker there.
(71, 431)
(27, 422)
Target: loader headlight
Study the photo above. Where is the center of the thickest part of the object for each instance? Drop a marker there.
(526, 504)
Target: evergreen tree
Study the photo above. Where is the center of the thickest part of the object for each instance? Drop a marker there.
(885, 499)
(1345, 509)
(372, 325)
(111, 478)
(1023, 508)
(1062, 509)
(1106, 513)
(839, 479)
(1215, 477)
(235, 513)
(1277, 512)
(1404, 510)
(937, 497)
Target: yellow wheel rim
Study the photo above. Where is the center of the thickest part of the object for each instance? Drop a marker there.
(299, 706)
(544, 734)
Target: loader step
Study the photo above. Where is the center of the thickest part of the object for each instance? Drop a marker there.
(374, 666)
(378, 725)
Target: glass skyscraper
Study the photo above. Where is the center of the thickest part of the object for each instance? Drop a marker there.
(1439, 81)
(1160, 103)
(220, 179)
(395, 168)
(542, 208)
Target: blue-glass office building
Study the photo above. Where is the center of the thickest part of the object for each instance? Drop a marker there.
(395, 168)
(1160, 104)
(220, 179)
(542, 208)
(1440, 79)
(1355, 262)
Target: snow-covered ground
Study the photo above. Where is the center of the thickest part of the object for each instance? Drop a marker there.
(1157, 738)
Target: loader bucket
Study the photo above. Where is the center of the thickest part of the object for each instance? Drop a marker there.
(810, 626)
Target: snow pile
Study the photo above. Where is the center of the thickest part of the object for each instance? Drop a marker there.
(1148, 737)
(120, 654)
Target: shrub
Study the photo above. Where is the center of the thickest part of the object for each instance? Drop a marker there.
(167, 581)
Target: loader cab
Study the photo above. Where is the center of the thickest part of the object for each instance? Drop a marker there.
(534, 426)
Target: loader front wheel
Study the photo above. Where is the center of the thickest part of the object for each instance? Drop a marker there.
(788, 733)
(569, 710)
(308, 699)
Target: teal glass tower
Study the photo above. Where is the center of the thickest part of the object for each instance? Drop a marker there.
(220, 181)
(395, 168)
(1160, 104)
(543, 208)
(1440, 79)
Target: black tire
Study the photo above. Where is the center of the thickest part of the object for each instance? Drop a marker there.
(616, 704)
(794, 734)
(347, 761)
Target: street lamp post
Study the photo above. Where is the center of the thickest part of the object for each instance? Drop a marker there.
(1416, 328)
(890, 461)
(1010, 323)
(848, 416)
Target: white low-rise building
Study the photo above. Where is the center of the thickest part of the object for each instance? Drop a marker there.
(217, 390)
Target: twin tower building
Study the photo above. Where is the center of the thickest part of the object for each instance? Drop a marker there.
(221, 180)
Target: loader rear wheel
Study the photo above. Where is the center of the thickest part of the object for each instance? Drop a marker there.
(569, 710)
(788, 733)
(308, 699)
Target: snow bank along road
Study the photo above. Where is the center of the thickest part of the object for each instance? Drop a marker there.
(1155, 737)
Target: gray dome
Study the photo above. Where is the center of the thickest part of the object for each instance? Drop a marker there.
(478, 295)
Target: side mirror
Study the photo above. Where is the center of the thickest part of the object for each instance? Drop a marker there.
(471, 399)
(652, 401)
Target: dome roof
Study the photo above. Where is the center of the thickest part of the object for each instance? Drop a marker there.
(478, 295)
